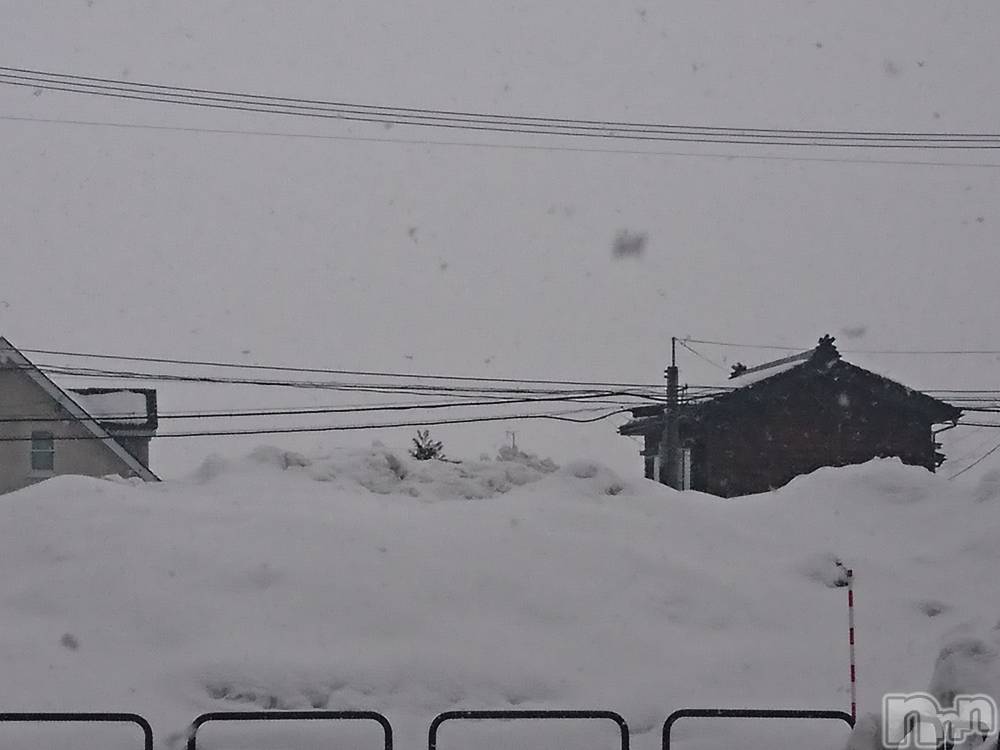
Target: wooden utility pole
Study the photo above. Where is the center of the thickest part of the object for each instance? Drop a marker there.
(670, 437)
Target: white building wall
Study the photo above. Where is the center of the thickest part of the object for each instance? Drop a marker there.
(20, 396)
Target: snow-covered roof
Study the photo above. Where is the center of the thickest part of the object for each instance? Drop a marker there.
(824, 357)
(125, 406)
(769, 369)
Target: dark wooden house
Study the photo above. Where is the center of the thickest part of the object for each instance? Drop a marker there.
(790, 417)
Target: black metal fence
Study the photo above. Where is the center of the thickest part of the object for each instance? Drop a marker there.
(83, 718)
(529, 715)
(432, 733)
(290, 716)
(748, 713)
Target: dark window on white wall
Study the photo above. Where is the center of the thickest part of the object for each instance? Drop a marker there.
(43, 451)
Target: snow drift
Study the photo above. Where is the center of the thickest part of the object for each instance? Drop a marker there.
(364, 580)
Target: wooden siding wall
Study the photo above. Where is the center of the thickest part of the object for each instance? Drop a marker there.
(755, 446)
(19, 397)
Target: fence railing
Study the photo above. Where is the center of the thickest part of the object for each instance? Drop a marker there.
(749, 713)
(219, 716)
(83, 718)
(529, 715)
(432, 732)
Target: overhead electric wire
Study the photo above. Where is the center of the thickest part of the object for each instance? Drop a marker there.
(417, 111)
(485, 122)
(640, 390)
(978, 461)
(985, 403)
(557, 416)
(402, 388)
(976, 429)
(738, 345)
(398, 389)
(262, 412)
(316, 411)
(494, 145)
(971, 400)
(331, 371)
(700, 392)
(701, 356)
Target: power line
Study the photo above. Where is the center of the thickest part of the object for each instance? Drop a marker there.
(971, 433)
(407, 389)
(557, 416)
(701, 356)
(700, 393)
(261, 412)
(983, 400)
(315, 411)
(735, 345)
(332, 371)
(423, 112)
(978, 461)
(650, 393)
(403, 389)
(387, 388)
(488, 145)
(484, 122)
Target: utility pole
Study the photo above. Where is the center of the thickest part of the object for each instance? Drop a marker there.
(670, 437)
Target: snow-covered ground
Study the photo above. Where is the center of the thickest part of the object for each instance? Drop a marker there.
(366, 580)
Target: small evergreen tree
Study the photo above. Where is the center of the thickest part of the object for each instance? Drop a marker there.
(424, 449)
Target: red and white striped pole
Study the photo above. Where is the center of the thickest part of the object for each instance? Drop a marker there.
(850, 629)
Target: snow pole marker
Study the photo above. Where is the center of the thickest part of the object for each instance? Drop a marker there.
(850, 632)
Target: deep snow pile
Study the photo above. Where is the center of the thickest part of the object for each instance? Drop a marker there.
(362, 579)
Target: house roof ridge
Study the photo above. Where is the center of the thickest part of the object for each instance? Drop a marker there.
(800, 357)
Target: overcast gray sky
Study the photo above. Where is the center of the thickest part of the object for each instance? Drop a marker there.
(498, 261)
